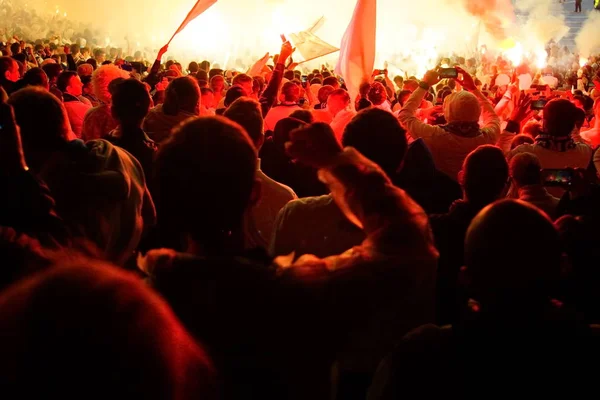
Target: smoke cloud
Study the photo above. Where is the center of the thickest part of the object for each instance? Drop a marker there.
(588, 39)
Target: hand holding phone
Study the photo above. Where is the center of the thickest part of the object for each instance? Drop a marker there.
(558, 177)
(448, 73)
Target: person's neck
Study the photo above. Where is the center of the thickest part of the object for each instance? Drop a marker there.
(131, 130)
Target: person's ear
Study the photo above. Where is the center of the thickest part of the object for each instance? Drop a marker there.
(256, 194)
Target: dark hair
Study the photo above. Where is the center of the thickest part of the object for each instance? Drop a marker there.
(130, 101)
(316, 81)
(98, 52)
(258, 84)
(289, 75)
(247, 112)
(525, 169)
(205, 66)
(532, 266)
(202, 75)
(291, 92)
(485, 174)
(241, 78)
(521, 139)
(559, 117)
(215, 72)
(42, 119)
(218, 153)
(52, 70)
(15, 48)
(182, 94)
(124, 326)
(234, 93)
(75, 48)
(193, 67)
(377, 93)
(403, 96)
(386, 145)
(35, 77)
(93, 63)
(63, 80)
(303, 115)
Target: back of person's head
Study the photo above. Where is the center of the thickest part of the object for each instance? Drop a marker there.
(316, 81)
(241, 80)
(532, 128)
(101, 79)
(386, 145)
(130, 102)
(289, 75)
(377, 94)
(462, 107)
(217, 82)
(36, 77)
(64, 80)
(221, 155)
(484, 175)
(182, 94)
(202, 75)
(521, 139)
(283, 128)
(559, 118)
(234, 93)
(303, 115)
(403, 96)
(52, 71)
(75, 48)
(331, 81)
(193, 67)
(42, 119)
(215, 72)
(512, 250)
(247, 113)
(290, 92)
(410, 85)
(324, 93)
(85, 69)
(258, 85)
(525, 169)
(93, 63)
(15, 48)
(87, 325)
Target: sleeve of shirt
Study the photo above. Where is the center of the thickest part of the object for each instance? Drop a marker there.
(491, 121)
(411, 122)
(269, 96)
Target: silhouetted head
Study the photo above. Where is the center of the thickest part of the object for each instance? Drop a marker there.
(247, 112)
(386, 145)
(484, 175)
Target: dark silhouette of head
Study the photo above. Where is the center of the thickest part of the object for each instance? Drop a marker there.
(134, 345)
(303, 115)
(525, 169)
(193, 67)
(512, 251)
(521, 139)
(385, 145)
(52, 70)
(205, 177)
(130, 103)
(182, 94)
(234, 93)
(559, 118)
(377, 94)
(484, 175)
(36, 77)
(290, 92)
(43, 122)
(331, 81)
(247, 112)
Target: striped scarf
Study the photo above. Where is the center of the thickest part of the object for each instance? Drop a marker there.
(556, 143)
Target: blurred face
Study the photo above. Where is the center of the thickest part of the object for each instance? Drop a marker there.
(247, 86)
(335, 104)
(217, 85)
(13, 74)
(75, 87)
(101, 57)
(208, 100)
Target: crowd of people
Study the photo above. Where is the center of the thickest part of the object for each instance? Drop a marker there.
(176, 232)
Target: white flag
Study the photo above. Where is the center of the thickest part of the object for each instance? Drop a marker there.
(357, 53)
(310, 46)
(199, 8)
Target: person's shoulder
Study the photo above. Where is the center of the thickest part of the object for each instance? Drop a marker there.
(309, 204)
(275, 187)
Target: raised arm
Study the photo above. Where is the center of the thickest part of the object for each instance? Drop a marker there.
(269, 96)
(407, 116)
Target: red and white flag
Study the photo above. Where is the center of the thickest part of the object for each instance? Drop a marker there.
(357, 51)
(199, 8)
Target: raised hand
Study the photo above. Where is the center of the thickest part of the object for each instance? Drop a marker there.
(466, 81)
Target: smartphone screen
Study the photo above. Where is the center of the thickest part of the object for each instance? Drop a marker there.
(447, 73)
(538, 104)
(557, 177)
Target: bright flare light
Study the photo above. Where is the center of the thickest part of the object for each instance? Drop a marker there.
(582, 62)
(541, 57)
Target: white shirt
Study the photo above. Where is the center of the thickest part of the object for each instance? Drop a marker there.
(259, 223)
(340, 121)
(278, 113)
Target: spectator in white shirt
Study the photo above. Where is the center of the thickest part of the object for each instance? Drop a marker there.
(338, 105)
(260, 220)
(290, 94)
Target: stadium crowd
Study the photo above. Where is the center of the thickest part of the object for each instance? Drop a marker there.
(174, 231)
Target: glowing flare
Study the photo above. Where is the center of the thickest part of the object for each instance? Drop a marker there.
(541, 57)
(582, 62)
